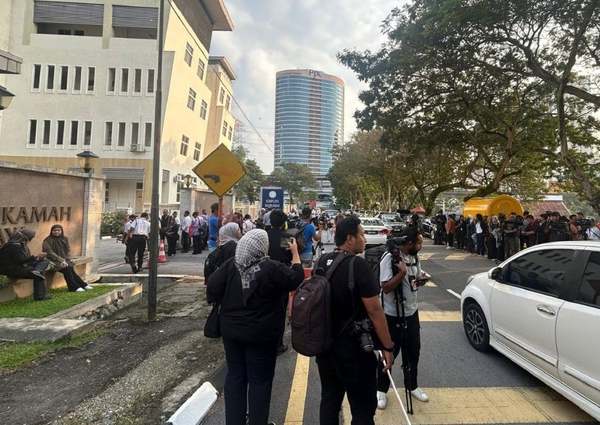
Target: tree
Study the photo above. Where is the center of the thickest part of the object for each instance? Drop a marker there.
(444, 77)
(551, 44)
(249, 186)
(296, 179)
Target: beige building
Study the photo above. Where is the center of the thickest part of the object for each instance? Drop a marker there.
(88, 83)
(221, 124)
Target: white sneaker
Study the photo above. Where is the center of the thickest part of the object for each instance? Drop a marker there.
(420, 395)
(381, 400)
(80, 290)
(88, 288)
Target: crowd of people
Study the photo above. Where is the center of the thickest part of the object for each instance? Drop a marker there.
(499, 237)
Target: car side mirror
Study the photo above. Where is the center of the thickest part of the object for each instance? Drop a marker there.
(495, 273)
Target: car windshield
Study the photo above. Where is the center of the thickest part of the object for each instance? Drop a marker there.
(371, 222)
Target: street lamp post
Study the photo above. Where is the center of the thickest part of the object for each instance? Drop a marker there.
(154, 217)
(86, 158)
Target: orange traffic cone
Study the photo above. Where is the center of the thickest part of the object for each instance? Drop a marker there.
(162, 257)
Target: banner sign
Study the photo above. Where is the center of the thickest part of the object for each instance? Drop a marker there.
(271, 197)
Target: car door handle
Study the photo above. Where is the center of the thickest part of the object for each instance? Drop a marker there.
(546, 310)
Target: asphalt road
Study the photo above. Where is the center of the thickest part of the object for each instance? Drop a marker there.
(465, 386)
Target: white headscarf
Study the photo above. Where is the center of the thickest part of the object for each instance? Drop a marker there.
(229, 232)
(251, 250)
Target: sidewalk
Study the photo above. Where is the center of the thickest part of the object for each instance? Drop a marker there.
(136, 373)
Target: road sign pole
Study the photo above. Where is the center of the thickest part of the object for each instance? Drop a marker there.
(221, 212)
(154, 217)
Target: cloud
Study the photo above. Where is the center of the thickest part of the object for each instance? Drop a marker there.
(272, 35)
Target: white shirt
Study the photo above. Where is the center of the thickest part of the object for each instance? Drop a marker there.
(328, 240)
(594, 233)
(267, 219)
(186, 223)
(141, 226)
(248, 225)
(410, 297)
(478, 228)
(128, 226)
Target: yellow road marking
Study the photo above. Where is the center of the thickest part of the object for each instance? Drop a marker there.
(295, 408)
(456, 256)
(425, 256)
(431, 284)
(439, 316)
(449, 406)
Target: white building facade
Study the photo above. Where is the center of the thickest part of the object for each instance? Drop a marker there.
(88, 83)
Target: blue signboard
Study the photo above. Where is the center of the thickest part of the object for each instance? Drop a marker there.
(271, 197)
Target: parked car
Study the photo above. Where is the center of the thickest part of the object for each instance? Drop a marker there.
(428, 228)
(541, 309)
(376, 232)
(393, 222)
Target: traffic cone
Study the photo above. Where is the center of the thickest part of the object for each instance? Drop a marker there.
(162, 257)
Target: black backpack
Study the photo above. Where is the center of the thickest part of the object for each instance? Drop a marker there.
(312, 332)
(373, 256)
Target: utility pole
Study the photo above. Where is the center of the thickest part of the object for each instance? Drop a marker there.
(154, 209)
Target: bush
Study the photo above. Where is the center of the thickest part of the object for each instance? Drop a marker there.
(3, 281)
(112, 223)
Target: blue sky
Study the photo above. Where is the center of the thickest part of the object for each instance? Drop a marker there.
(271, 35)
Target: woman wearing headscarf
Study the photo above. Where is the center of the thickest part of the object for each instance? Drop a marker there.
(229, 235)
(17, 262)
(56, 246)
(250, 289)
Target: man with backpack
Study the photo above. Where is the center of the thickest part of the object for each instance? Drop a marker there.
(349, 366)
(401, 277)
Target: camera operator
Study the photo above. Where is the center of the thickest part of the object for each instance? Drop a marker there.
(401, 277)
(327, 232)
(357, 317)
(584, 225)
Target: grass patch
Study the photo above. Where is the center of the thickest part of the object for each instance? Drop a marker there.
(15, 354)
(61, 300)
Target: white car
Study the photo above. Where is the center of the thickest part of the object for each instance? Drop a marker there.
(541, 309)
(376, 232)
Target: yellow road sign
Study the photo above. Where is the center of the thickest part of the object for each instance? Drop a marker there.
(220, 170)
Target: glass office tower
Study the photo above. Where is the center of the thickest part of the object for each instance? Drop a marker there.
(309, 119)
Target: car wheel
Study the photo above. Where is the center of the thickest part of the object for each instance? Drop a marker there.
(476, 327)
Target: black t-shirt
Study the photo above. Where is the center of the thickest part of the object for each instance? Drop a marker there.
(275, 251)
(365, 286)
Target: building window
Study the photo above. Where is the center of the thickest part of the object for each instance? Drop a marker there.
(87, 133)
(230, 132)
(185, 142)
(228, 103)
(121, 141)
(178, 197)
(224, 132)
(32, 131)
(37, 76)
(112, 80)
(203, 109)
(135, 133)
(222, 96)
(197, 151)
(106, 192)
(137, 81)
(74, 132)
(148, 135)
(150, 86)
(201, 68)
(189, 54)
(139, 186)
(64, 77)
(91, 78)
(108, 130)
(60, 132)
(191, 103)
(46, 134)
(50, 78)
(77, 82)
(124, 80)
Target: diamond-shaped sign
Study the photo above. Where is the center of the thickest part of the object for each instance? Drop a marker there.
(220, 170)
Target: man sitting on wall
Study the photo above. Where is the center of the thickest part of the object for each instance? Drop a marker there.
(17, 262)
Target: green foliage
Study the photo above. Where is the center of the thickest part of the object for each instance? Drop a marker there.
(112, 223)
(3, 281)
(248, 187)
(14, 354)
(296, 179)
(61, 300)
(491, 88)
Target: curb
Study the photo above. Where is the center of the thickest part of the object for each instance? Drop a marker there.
(195, 408)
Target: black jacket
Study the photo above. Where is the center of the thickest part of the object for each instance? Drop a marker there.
(262, 319)
(276, 252)
(14, 259)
